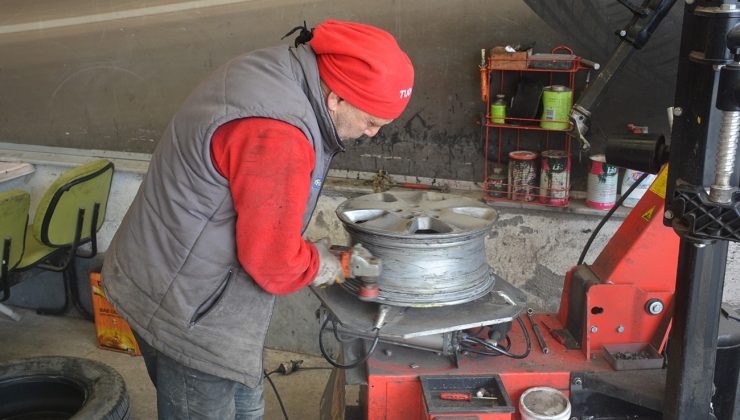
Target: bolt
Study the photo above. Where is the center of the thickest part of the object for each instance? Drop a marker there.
(388, 352)
(668, 214)
(594, 329)
(654, 306)
(622, 33)
(677, 111)
(620, 329)
(577, 381)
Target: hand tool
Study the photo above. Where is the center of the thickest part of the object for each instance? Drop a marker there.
(537, 332)
(461, 396)
(357, 262)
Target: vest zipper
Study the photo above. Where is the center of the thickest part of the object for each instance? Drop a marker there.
(212, 300)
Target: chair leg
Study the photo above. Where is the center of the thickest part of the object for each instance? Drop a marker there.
(71, 292)
(70, 277)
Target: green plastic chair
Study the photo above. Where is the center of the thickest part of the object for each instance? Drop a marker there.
(13, 222)
(68, 216)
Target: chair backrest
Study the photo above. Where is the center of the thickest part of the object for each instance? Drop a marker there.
(55, 221)
(13, 222)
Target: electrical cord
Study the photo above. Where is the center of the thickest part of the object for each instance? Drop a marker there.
(499, 351)
(287, 369)
(277, 394)
(609, 215)
(353, 364)
(488, 353)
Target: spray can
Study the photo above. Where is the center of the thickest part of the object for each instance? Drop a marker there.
(630, 177)
(602, 184)
(522, 175)
(556, 103)
(498, 110)
(554, 177)
(497, 181)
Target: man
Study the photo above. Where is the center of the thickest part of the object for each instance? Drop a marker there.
(215, 231)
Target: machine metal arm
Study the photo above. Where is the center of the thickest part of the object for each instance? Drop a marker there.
(634, 36)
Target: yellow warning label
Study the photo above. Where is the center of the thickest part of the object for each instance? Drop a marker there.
(660, 184)
(648, 215)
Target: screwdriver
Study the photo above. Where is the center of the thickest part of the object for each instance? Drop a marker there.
(460, 396)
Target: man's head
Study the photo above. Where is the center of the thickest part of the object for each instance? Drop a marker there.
(369, 78)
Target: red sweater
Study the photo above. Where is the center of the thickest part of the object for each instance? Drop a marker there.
(268, 164)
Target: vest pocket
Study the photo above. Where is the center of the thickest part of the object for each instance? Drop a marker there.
(212, 300)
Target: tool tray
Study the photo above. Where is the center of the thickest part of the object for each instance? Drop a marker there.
(433, 386)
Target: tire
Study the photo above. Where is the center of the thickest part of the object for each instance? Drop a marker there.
(61, 388)
(590, 26)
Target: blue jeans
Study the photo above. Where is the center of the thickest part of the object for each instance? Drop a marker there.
(185, 393)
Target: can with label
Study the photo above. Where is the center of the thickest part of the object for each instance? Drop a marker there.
(498, 110)
(522, 175)
(630, 177)
(556, 103)
(497, 181)
(554, 177)
(602, 184)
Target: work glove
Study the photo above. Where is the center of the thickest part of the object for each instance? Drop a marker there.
(330, 268)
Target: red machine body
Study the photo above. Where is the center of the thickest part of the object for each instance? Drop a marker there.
(612, 303)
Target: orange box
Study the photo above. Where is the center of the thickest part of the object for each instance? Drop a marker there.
(500, 59)
(112, 331)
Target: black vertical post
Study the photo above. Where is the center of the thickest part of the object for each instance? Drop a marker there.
(693, 340)
(707, 46)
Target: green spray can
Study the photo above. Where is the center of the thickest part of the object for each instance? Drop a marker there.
(498, 110)
(556, 103)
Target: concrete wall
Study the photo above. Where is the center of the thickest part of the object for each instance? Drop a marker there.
(110, 75)
(530, 249)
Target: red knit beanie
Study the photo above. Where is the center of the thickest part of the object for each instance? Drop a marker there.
(364, 66)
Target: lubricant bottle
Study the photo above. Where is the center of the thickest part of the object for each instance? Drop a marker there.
(498, 110)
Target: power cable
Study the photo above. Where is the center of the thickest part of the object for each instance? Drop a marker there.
(353, 364)
(609, 215)
(499, 351)
(277, 394)
(287, 369)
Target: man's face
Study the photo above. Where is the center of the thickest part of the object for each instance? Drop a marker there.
(352, 123)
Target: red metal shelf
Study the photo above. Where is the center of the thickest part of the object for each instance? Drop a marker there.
(501, 68)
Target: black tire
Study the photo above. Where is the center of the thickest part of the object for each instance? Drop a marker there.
(590, 26)
(61, 388)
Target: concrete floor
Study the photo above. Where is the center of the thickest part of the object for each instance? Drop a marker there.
(37, 335)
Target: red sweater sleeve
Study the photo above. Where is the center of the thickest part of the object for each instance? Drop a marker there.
(268, 164)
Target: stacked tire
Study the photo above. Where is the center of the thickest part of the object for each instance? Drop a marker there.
(56, 388)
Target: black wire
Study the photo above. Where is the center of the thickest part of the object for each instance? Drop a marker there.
(500, 350)
(336, 333)
(609, 215)
(353, 364)
(507, 347)
(277, 394)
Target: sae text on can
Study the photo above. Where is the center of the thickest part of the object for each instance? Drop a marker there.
(602, 184)
(522, 175)
(554, 177)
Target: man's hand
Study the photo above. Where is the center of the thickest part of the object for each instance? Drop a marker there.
(330, 268)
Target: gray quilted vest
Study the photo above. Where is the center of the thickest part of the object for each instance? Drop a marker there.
(172, 270)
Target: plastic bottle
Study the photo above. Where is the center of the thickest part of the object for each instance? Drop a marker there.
(498, 110)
